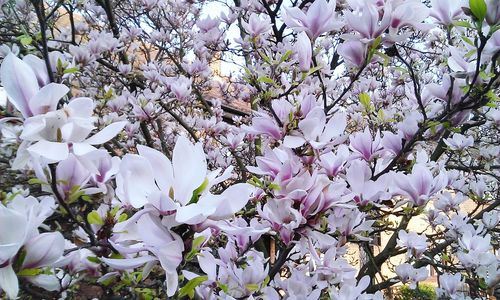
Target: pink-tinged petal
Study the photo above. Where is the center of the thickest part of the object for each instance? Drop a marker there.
(19, 82)
(107, 133)
(294, 18)
(76, 131)
(421, 179)
(39, 68)
(233, 200)
(293, 142)
(43, 250)
(353, 51)
(190, 169)
(359, 23)
(135, 180)
(51, 151)
(163, 171)
(46, 98)
(161, 201)
(73, 173)
(127, 249)
(127, 263)
(267, 126)
(8, 282)
(153, 233)
(304, 52)
(170, 255)
(213, 180)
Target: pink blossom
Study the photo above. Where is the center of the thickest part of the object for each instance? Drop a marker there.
(320, 18)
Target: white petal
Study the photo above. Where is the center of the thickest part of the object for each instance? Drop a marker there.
(128, 263)
(81, 107)
(46, 98)
(8, 282)
(83, 148)
(190, 169)
(172, 281)
(19, 82)
(12, 239)
(52, 151)
(193, 213)
(107, 133)
(234, 199)
(135, 180)
(293, 142)
(163, 171)
(334, 127)
(208, 265)
(32, 127)
(47, 282)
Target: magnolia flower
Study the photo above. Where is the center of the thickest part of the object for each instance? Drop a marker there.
(420, 184)
(43, 250)
(263, 124)
(408, 274)
(459, 142)
(181, 87)
(366, 191)
(354, 52)
(366, 22)
(447, 11)
(364, 145)
(333, 163)
(392, 143)
(181, 185)
(320, 18)
(450, 283)
(145, 232)
(22, 88)
(447, 202)
(316, 131)
(256, 26)
(56, 133)
(282, 217)
(304, 52)
(416, 243)
(408, 13)
(493, 15)
(20, 220)
(490, 219)
(11, 241)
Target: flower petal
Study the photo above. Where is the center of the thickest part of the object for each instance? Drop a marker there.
(190, 169)
(46, 98)
(163, 171)
(43, 250)
(52, 151)
(107, 133)
(128, 263)
(8, 282)
(20, 83)
(234, 199)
